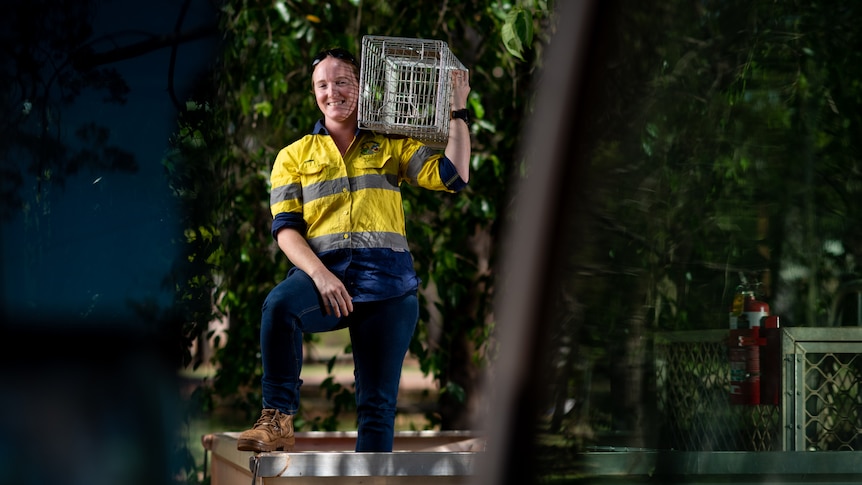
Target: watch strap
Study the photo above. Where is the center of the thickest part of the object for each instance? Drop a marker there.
(462, 114)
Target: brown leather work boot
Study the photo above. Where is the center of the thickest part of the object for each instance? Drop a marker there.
(272, 431)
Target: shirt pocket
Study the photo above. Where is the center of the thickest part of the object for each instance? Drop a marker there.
(312, 171)
(373, 163)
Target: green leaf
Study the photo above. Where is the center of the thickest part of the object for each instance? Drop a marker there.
(517, 31)
(263, 108)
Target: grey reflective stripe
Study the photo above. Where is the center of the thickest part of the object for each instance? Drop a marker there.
(357, 240)
(285, 192)
(322, 189)
(332, 187)
(417, 161)
(375, 181)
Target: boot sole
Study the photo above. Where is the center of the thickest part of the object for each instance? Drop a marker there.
(260, 446)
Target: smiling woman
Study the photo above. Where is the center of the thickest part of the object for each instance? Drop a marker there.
(338, 217)
(336, 89)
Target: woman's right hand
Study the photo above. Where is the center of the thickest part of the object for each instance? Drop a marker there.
(335, 298)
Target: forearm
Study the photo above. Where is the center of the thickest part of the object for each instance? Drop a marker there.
(333, 294)
(300, 254)
(458, 147)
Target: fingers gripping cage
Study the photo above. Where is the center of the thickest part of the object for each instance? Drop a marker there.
(405, 87)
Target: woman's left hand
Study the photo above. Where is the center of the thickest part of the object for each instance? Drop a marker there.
(460, 89)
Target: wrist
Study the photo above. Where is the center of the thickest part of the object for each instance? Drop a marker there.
(461, 114)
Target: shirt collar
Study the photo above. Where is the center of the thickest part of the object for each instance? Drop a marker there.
(320, 129)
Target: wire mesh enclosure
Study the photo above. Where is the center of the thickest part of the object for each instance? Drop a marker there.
(405, 87)
(825, 365)
(820, 407)
(693, 383)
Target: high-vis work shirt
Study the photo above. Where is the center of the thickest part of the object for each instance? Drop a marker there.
(350, 208)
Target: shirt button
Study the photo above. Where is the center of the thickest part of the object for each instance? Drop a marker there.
(346, 236)
(346, 212)
(344, 190)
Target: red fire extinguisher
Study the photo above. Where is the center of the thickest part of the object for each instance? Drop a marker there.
(748, 320)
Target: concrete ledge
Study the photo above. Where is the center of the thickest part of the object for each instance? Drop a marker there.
(739, 468)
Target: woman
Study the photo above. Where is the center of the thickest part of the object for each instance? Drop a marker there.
(337, 216)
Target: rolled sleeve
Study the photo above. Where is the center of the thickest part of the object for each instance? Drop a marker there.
(291, 220)
(449, 175)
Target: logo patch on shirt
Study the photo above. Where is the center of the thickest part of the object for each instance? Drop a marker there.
(369, 148)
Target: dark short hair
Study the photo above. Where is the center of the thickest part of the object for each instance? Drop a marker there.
(337, 53)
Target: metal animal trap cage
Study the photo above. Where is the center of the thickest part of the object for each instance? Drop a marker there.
(405, 87)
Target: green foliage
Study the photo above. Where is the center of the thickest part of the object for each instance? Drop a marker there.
(721, 148)
(263, 102)
(721, 145)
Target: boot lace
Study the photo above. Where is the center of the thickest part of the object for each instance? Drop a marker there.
(269, 419)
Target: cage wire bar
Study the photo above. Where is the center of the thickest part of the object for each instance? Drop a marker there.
(405, 87)
(821, 393)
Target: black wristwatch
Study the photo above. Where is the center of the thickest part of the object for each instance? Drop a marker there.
(462, 114)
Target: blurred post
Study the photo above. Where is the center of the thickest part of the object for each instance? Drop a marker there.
(527, 251)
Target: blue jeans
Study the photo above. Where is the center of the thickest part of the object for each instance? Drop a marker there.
(380, 334)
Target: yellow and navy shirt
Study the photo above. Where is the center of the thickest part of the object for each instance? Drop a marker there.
(350, 208)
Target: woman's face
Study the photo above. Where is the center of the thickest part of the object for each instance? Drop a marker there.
(336, 88)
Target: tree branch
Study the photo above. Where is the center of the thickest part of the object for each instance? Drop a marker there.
(84, 59)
